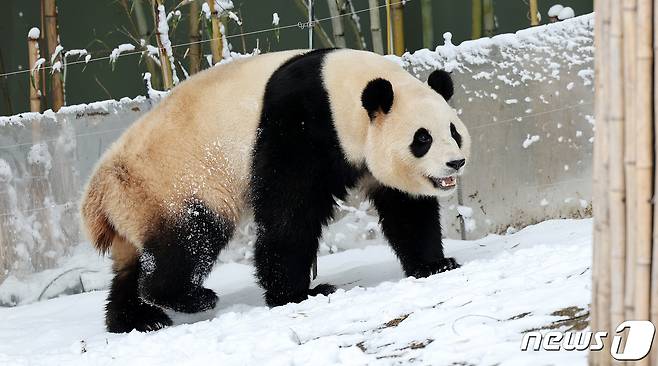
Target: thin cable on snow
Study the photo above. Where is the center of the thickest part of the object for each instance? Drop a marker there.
(300, 25)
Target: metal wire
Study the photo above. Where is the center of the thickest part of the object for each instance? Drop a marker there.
(300, 25)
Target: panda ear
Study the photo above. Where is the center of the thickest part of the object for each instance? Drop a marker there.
(377, 97)
(441, 82)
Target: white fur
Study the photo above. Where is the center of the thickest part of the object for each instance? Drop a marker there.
(383, 144)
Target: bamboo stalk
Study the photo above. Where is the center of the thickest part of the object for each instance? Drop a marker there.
(398, 28)
(52, 36)
(601, 271)
(389, 27)
(165, 63)
(217, 38)
(644, 162)
(534, 18)
(336, 24)
(630, 19)
(195, 37)
(143, 30)
(33, 56)
(488, 18)
(375, 27)
(428, 23)
(348, 8)
(653, 358)
(616, 179)
(476, 19)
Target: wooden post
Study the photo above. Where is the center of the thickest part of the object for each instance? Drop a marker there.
(165, 63)
(33, 57)
(534, 18)
(216, 44)
(52, 36)
(398, 27)
(375, 27)
(428, 23)
(195, 38)
(476, 19)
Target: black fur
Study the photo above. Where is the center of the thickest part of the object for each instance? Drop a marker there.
(422, 143)
(455, 135)
(298, 168)
(377, 97)
(413, 229)
(441, 82)
(125, 310)
(178, 257)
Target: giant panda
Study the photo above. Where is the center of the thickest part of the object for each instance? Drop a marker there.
(281, 135)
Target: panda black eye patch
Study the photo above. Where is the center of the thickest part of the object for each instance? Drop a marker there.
(455, 135)
(422, 143)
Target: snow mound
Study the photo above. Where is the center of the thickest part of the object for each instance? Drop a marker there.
(555, 10)
(566, 13)
(472, 315)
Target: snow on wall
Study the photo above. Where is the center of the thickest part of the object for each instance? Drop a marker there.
(526, 98)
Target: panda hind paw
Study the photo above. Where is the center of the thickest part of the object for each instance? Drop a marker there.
(142, 317)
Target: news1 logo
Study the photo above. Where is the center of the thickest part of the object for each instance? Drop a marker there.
(637, 341)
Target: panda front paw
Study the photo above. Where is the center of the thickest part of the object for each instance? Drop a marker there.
(427, 269)
(322, 289)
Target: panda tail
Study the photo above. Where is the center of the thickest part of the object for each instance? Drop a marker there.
(99, 229)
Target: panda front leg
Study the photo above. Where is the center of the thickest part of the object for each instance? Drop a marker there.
(412, 227)
(179, 256)
(286, 246)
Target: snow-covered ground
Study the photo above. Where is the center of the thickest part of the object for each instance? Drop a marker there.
(474, 315)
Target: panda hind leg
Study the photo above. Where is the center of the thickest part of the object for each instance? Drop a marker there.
(178, 258)
(125, 310)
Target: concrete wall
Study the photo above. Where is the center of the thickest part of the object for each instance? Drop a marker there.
(526, 98)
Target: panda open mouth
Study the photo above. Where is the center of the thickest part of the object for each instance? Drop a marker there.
(445, 183)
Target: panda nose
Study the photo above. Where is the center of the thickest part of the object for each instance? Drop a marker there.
(456, 164)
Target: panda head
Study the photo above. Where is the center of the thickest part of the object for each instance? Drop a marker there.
(415, 141)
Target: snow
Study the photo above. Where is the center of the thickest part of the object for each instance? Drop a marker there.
(566, 13)
(77, 52)
(5, 171)
(205, 9)
(530, 140)
(473, 315)
(39, 155)
(163, 31)
(38, 64)
(555, 10)
(34, 33)
(126, 47)
(58, 50)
